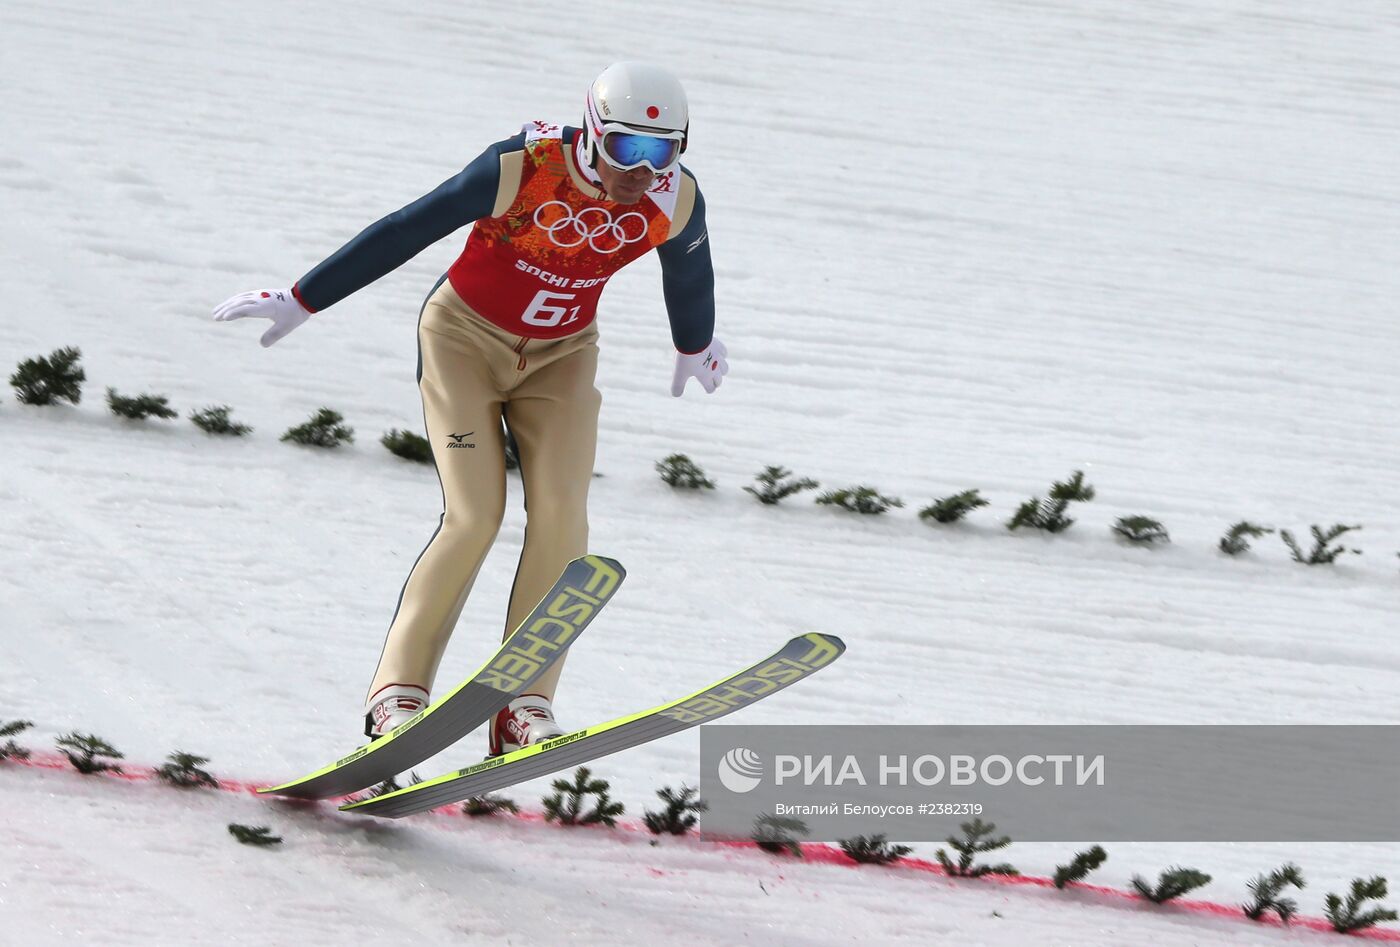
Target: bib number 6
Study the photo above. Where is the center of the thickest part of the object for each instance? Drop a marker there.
(543, 310)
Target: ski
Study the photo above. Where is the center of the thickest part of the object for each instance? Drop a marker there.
(799, 658)
(582, 590)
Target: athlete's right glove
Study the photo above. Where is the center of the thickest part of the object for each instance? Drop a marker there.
(708, 366)
(279, 305)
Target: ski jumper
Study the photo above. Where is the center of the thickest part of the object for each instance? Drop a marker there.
(509, 332)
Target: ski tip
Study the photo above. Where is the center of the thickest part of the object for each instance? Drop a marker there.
(604, 562)
(823, 649)
(281, 789)
(287, 791)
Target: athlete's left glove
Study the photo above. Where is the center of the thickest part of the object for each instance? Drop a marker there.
(708, 366)
(279, 305)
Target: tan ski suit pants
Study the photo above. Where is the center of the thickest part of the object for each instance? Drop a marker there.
(471, 373)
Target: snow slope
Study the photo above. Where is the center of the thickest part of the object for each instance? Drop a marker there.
(345, 878)
(976, 244)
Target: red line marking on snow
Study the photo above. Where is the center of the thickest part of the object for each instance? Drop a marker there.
(812, 853)
(137, 774)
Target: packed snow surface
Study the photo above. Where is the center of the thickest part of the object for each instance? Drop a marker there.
(957, 245)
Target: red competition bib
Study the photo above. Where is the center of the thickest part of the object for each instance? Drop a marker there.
(538, 269)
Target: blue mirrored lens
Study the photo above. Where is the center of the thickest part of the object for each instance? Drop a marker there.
(627, 149)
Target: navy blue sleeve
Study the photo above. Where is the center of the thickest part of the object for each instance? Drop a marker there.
(389, 243)
(688, 281)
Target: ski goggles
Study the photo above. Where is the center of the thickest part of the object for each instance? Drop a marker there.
(625, 149)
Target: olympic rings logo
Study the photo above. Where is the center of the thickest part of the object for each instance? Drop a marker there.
(593, 224)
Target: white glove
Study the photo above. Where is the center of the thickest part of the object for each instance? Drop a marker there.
(279, 305)
(708, 366)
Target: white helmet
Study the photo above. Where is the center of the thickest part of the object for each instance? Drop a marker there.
(636, 115)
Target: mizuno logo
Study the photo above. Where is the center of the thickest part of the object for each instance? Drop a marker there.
(458, 440)
(704, 235)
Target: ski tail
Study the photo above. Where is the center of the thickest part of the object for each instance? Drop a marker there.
(798, 659)
(585, 586)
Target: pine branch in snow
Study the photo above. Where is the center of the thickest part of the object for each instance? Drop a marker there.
(977, 839)
(1142, 530)
(184, 771)
(1079, 868)
(1322, 552)
(215, 420)
(1172, 883)
(488, 805)
(408, 445)
(873, 849)
(324, 429)
(679, 816)
(776, 484)
(776, 834)
(951, 509)
(567, 803)
(44, 380)
(12, 750)
(259, 835)
(1266, 890)
(86, 753)
(860, 499)
(1349, 916)
(681, 473)
(140, 407)
(15, 728)
(1049, 514)
(1236, 540)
